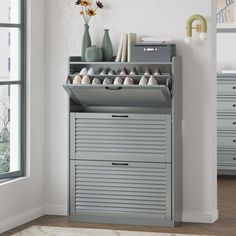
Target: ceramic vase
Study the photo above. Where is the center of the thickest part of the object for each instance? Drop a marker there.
(93, 54)
(86, 41)
(107, 48)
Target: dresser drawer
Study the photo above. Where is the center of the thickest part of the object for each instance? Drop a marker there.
(226, 140)
(226, 88)
(226, 105)
(226, 157)
(128, 189)
(129, 137)
(226, 122)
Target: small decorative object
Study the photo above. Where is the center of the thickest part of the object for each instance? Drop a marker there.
(147, 72)
(119, 53)
(86, 41)
(111, 72)
(201, 28)
(124, 72)
(85, 80)
(143, 81)
(84, 71)
(107, 48)
(157, 72)
(128, 81)
(93, 54)
(77, 79)
(103, 72)
(152, 81)
(226, 16)
(96, 81)
(91, 71)
(124, 48)
(88, 10)
(107, 81)
(131, 40)
(118, 81)
(133, 72)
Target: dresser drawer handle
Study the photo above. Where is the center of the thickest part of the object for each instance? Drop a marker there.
(234, 141)
(234, 158)
(234, 105)
(234, 123)
(234, 87)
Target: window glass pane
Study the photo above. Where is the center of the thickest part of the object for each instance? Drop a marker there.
(10, 54)
(9, 128)
(10, 11)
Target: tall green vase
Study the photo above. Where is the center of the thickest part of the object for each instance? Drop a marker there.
(86, 41)
(107, 48)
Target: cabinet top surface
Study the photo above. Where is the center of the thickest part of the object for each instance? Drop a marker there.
(77, 60)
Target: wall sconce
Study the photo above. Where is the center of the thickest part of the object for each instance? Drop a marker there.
(201, 28)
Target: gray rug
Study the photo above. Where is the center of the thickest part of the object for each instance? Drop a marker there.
(61, 231)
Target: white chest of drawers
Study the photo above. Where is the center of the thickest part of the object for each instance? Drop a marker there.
(226, 123)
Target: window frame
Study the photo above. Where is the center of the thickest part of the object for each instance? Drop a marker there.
(22, 83)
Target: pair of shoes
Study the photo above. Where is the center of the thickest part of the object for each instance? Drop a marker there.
(148, 72)
(84, 80)
(150, 81)
(124, 72)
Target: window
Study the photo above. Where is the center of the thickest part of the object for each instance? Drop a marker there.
(12, 88)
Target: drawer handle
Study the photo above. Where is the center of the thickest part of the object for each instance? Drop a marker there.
(120, 164)
(234, 140)
(234, 158)
(234, 105)
(234, 123)
(234, 87)
(113, 88)
(120, 116)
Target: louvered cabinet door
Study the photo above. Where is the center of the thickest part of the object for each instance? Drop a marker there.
(131, 137)
(120, 192)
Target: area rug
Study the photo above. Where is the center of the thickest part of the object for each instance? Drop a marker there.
(61, 231)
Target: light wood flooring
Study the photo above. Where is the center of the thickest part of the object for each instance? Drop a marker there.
(226, 225)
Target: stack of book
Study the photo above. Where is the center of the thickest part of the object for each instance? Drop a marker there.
(124, 50)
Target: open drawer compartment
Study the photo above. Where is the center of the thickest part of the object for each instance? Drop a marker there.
(133, 95)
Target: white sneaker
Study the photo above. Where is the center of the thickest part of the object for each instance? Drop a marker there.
(96, 81)
(143, 81)
(118, 81)
(152, 81)
(77, 79)
(107, 81)
(84, 71)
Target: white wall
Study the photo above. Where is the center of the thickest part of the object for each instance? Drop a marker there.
(23, 199)
(64, 29)
(226, 46)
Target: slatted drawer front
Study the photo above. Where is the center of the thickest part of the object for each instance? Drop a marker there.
(137, 188)
(107, 136)
(226, 122)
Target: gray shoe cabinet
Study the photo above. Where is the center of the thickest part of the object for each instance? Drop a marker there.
(226, 122)
(125, 147)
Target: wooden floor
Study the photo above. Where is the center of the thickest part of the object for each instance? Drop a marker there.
(226, 225)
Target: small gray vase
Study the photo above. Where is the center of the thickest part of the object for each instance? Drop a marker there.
(86, 41)
(93, 54)
(107, 48)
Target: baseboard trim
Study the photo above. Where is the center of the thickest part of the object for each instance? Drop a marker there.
(59, 210)
(199, 217)
(21, 219)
